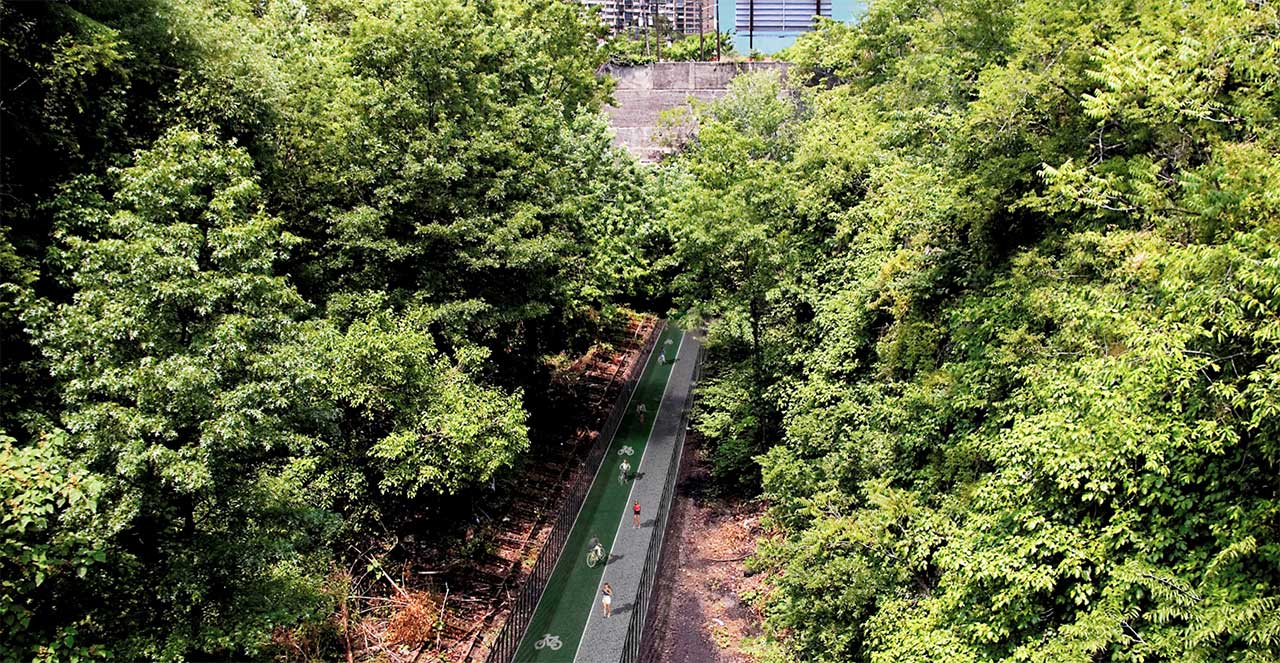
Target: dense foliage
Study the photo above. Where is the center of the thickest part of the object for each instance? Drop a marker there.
(628, 49)
(275, 275)
(995, 312)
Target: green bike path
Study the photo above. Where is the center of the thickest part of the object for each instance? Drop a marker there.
(570, 595)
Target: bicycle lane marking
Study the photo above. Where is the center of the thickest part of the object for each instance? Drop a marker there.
(568, 582)
(552, 580)
(550, 641)
(632, 490)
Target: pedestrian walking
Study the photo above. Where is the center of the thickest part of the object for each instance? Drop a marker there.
(624, 470)
(606, 600)
(641, 410)
(635, 515)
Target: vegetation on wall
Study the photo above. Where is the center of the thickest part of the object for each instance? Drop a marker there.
(638, 49)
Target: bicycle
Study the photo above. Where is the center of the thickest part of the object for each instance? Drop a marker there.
(595, 556)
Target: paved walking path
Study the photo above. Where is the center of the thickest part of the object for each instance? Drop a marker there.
(560, 621)
(602, 641)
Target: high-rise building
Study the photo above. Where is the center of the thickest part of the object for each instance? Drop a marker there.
(618, 14)
(683, 16)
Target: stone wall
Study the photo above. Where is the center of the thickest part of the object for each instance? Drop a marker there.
(644, 92)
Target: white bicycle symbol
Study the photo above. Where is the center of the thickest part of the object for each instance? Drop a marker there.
(626, 451)
(548, 640)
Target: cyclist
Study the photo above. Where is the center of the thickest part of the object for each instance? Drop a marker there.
(641, 410)
(594, 549)
(624, 470)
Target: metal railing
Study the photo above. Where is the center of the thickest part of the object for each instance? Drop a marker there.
(644, 605)
(504, 647)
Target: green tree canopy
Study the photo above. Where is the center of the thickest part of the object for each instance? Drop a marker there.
(1020, 331)
(284, 286)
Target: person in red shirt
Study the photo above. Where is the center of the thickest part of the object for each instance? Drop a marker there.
(635, 514)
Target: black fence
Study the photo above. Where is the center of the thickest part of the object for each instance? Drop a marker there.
(637, 635)
(508, 641)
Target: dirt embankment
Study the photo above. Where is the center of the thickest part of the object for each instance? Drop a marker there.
(701, 617)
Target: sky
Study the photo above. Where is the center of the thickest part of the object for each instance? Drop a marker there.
(842, 10)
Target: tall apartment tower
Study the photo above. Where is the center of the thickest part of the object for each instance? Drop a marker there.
(684, 16)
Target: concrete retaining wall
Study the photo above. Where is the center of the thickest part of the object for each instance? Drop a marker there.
(644, 92)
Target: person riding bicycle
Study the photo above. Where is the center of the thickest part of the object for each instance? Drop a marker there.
(595, 549)
(624, 470)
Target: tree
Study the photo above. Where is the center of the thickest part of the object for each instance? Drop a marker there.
(180, 397)
(49, 543)
(1025, 416)
(726, 210)
(407, 421)
(287, 287)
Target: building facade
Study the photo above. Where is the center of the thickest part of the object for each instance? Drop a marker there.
(689, 17)
(778, 16)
